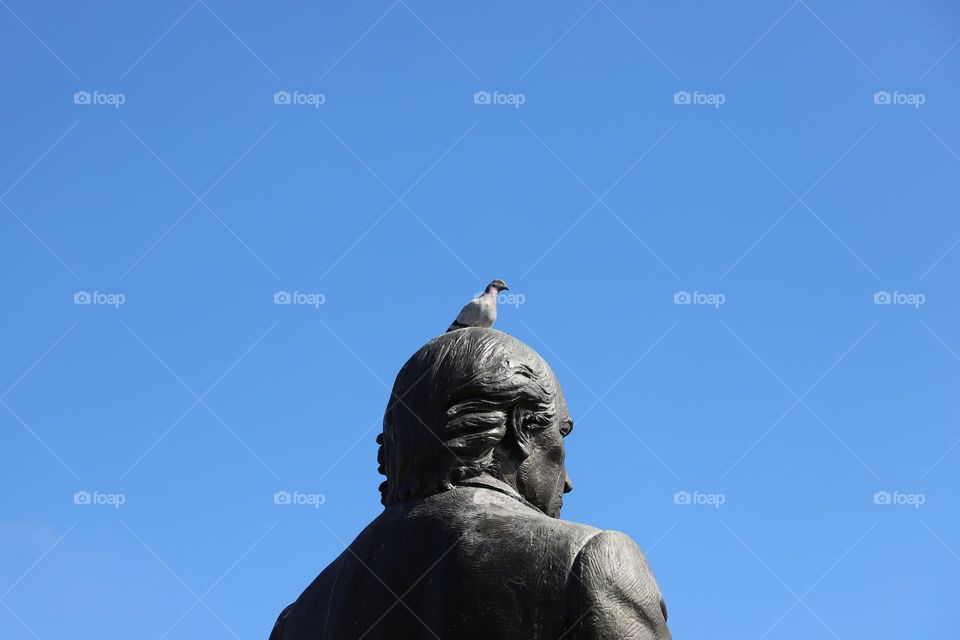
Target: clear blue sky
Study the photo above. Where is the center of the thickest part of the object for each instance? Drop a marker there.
(177, 189)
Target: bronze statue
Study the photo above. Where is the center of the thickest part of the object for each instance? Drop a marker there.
(470, 544)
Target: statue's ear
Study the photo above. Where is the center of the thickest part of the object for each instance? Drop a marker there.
(518, 436)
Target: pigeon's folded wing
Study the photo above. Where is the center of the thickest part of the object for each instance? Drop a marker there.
(469, 316)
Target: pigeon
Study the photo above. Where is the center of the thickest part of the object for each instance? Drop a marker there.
(482, 310)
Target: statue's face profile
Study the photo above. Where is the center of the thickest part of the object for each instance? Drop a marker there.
(542, 477)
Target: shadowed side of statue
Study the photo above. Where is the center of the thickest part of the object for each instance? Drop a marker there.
(470, 545)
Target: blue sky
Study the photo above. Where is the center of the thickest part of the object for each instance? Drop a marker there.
(783, 445)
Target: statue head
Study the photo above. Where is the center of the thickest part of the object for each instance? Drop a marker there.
(470, 403)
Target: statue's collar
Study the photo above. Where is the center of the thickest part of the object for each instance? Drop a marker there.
(489, 482)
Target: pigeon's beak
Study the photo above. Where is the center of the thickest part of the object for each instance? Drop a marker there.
(504, 288)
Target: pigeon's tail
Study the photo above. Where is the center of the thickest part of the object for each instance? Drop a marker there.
(456, 325)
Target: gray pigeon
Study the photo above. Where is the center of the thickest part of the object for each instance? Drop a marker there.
(482, 310)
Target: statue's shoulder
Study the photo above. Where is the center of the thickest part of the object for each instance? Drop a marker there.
(610, 567)
(511, 521)
(606, 547)
(577, 532)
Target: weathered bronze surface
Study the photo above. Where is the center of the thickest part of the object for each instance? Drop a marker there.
(470, 544)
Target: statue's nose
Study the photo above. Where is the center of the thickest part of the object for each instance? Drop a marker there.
(567, 485)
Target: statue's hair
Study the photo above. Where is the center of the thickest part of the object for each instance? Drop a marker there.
(452, 403)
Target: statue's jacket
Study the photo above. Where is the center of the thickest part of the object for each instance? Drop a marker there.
(479, 562)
